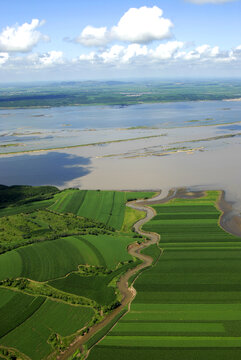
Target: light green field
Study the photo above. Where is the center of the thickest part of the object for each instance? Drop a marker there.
(131, 217)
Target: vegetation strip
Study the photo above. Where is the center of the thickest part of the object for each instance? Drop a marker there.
(81, 145)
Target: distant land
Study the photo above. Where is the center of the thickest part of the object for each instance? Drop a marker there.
(78, 93)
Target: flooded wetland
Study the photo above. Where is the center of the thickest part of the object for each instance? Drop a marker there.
(144, 146)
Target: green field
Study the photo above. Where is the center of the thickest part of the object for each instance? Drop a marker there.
(187, 305)
(31, 336)
(107, 207)
(61, 254)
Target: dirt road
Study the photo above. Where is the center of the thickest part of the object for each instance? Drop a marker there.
(128, 293)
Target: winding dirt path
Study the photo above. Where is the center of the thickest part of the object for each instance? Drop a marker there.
(128, 293)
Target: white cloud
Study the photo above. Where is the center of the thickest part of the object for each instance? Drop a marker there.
(3, 58)
(120, 54)
(87, 57)
(171, 51)
(51, 58)
(92, 36)
(132, 57)
(113, 54)
(167, 51)
(21, 38)
(206, 53)
(140, 26)
(200, 2)
(134, 51)
(32, 61)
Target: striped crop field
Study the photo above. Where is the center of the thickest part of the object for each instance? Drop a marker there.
(107, 207)
(31, 336)
(188, 306)
(52, 259)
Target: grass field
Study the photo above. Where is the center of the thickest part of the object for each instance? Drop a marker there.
(60, 254)
(188, 305)
(131, 217)
(107, 207)
(52, 259)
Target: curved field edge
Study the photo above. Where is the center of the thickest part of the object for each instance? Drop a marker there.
(176, 295)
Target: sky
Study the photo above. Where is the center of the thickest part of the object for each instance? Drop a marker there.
(94, 40)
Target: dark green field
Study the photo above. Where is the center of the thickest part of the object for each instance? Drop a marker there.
(188, 306)
(61, 256)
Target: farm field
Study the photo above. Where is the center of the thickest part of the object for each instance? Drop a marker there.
(57, 264)
(107, 207)
(187, 305)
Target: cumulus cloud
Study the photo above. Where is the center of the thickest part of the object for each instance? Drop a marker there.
(92, 36)
(141, 26)
(206, 53)
(171, 51)
(21, 38)
(121, 54)
(51, 58)
(200, 2)
(32, 61)
(3, 58)
(167, 51)
(132, 57)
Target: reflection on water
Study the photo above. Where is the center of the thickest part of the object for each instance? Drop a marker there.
(45, 169)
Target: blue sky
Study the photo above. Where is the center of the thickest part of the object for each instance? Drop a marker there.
(196, 39)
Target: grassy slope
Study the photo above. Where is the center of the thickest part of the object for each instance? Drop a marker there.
(131, 217)
(107, 207)
(188, 304)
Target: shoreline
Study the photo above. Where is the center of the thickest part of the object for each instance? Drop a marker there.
(229, 220)
(121, 105)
